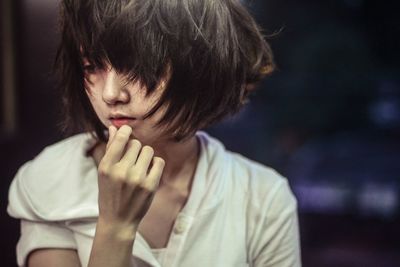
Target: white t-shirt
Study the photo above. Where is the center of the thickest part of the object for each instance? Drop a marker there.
(239, 212)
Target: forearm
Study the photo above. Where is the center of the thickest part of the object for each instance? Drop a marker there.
(112, 246)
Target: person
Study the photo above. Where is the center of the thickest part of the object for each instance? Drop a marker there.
(138, 182)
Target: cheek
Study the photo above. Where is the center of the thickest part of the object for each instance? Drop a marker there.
(91, 88)
(95, 78)
(94, 83)
(97, 103)
(93, 91)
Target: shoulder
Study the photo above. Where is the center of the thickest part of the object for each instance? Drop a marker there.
(267, 193)
(59, 154)
(260, 200)
(54, 158)
(244, 178)
(66, 147)
(39, 189)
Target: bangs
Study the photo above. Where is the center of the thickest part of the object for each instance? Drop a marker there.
(124, 34)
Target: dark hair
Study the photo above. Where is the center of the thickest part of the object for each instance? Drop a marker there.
(214, 49)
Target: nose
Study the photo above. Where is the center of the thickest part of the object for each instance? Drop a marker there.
(114, 90)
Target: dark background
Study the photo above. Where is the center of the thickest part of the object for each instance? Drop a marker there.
(328, 119)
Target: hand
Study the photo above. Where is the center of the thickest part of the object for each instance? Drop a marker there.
(128, 176)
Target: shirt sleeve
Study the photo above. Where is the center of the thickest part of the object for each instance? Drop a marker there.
(278, 243)
(36, 235)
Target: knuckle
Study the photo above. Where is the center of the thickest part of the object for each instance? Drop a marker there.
(150, 184)
(125, 129)
(148, 188)
(121, 137)
(132, 171)
(118, 175)
(148, 149)
(133, 182)
(118, 178)
(103, 170)
(120, 167)
(159, 163)
(136, 174)
(136, 143)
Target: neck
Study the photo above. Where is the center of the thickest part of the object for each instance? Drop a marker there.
(181, 158)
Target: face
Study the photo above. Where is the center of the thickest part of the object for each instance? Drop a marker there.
(117, 102)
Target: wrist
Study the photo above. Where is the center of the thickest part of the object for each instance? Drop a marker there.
(116, 231)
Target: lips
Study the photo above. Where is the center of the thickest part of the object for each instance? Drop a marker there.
(118, 121)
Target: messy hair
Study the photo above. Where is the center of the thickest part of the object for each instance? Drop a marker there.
(214, 50)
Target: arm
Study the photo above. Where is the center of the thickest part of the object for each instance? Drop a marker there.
(46, 244)
(112, 246)
(53, 257)
(109, 249)
(128, 175)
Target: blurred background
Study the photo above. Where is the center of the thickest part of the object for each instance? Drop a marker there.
(328, 119)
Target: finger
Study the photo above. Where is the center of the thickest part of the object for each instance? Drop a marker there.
(117, 145)
(112, 130)
(144, 160)
(153, 179)
(131, 154)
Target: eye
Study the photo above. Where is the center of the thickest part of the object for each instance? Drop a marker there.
(89, 69)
